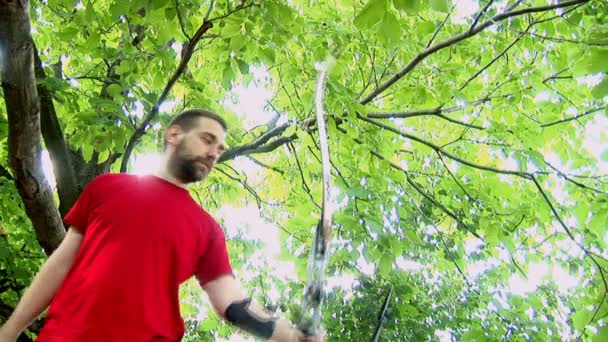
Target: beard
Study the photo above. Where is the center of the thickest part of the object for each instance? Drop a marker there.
(185, 167)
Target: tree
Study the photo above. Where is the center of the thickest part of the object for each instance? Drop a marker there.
(459, 141)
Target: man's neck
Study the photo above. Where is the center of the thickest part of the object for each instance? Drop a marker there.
(164, 174)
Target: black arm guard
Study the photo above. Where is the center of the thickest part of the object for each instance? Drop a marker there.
(238, 314)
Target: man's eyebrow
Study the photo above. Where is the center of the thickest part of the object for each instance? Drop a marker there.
(214, 138)
(210, 135)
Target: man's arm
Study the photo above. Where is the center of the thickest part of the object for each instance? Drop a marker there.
(41, 291)
(231, 302)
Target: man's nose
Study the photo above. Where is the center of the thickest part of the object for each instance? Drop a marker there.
(214, 153)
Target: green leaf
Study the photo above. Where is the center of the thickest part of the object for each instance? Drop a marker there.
(291, 130)
(599, 222)
(119, 8)
(580, 319)
(371, 14)
(440, 5)
(408, 6)
(375, 224)
(228, 76)
(474, 335)
(598, 34)
(208, 325)
(114, 90)
(385, 265)
(602, 335)
(268, 55)
(600, 90)
(170, 13)
(156, 4)
(596, 62)
(390, 28)
(243, 67)
(69, 33)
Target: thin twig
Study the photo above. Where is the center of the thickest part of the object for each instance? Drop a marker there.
(442, 151)
(382, 314)
(275, 169)
(493, 60)
(482, 12)
(236, 9)
(459, 37)
(209, 10)
(591, 111)
(180, 20)
(438, 29)
(304, 184)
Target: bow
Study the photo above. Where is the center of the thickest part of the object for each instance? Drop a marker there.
(319, 256)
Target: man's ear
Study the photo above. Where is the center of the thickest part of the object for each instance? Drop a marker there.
(173, 135)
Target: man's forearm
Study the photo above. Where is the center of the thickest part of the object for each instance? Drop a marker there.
(230, 302)
(44, 286)
(37, 296)
(254, 319)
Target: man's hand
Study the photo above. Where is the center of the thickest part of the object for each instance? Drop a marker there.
(226, 291)
(43, 288)
(316, 338)
(6, 335)
(284, 332)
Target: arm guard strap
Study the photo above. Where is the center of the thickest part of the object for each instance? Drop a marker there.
(238, 313)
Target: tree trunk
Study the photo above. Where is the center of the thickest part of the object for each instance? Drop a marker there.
(67, 188)
(22, 104)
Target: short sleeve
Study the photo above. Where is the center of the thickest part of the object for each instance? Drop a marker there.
(215, 261)
(80, 213)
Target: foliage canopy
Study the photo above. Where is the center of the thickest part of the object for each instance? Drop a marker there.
(467, 151)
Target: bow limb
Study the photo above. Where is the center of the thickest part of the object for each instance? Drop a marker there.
(319, 255)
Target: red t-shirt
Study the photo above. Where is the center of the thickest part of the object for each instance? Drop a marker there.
(143, 237)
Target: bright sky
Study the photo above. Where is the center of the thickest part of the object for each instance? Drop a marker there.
(249, 102)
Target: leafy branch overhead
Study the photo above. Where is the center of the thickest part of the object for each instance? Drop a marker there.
(467, 148)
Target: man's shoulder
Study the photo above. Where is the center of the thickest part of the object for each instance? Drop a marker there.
(111, 177)
(204, 217)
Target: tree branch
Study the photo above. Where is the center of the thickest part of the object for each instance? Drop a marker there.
(494, 59)
(240, 7)
(209, 10)
(382, 314)
(577, 183)
(275, 169)
(257, 145)
(482, 12)
(180, 20)
(454, 178)
(425, 195)
(565, 40)
(438, 29)
(23, 108)
(186, 56)
(591, 111)
(304, 185)
(5, 173)
(459, 37)
(567, 230)
(59, 152)
(440, 110)
(247, 187)
(443, 152)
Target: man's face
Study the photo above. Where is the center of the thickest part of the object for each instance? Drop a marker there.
(193, 154)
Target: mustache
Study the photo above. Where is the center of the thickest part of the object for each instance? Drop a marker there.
(207, 161)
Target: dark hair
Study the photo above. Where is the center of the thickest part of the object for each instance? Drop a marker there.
(188, 119)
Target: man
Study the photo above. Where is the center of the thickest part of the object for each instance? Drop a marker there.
(132, 240)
